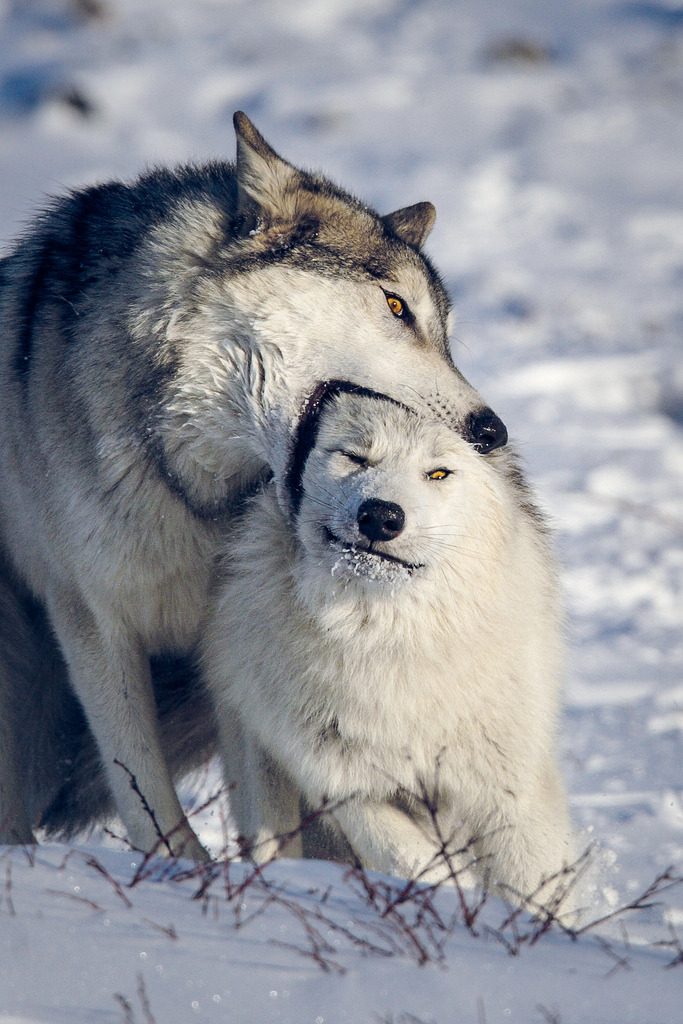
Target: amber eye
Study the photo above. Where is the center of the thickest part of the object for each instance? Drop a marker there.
(395, 305)
(438, 474)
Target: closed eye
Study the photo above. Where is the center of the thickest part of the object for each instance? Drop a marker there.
(359, 460)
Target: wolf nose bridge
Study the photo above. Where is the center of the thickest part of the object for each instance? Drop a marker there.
(380, 520)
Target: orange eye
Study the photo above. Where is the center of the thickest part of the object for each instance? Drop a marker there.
(438, 474)
(395, 305)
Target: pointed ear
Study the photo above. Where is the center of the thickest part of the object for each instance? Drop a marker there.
(412, 224)
(262, 177)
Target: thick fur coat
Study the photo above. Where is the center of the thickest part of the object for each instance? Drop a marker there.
(396, 652)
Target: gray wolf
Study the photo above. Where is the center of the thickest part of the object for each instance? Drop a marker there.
(390, 644)
(159, 343)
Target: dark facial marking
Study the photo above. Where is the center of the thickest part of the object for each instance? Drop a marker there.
(306, 432)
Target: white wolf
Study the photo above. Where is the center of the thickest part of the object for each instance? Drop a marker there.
(392, 644)
(159, 342)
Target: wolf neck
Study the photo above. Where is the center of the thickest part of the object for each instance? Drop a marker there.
(419, 618)
(377, 618)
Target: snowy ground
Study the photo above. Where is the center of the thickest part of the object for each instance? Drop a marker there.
(549, 136)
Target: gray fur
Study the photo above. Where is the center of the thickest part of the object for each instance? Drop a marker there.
(62, 786)
(158, 341)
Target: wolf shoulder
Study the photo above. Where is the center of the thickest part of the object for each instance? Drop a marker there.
(87, 294)
(96, 302)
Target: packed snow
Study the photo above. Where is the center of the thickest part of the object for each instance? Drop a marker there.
(550, 138)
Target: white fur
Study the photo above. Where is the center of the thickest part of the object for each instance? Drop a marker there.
(373, 684)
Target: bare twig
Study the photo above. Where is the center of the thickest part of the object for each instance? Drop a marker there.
(550, 1016)
(168, 929)
(76, 898)
(144, 1001)
(128, 1017)
(94, 863)
(162, 839)
(405, 918)
(662, 883)
(8, 890)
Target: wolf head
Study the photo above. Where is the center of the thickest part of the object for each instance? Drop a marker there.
(298, 283)
(387, 498)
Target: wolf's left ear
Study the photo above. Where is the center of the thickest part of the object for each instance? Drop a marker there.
(412, 224)
(262, 177)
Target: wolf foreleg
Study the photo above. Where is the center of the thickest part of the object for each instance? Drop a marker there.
(387, 839)
(109, 670)
(264, 803)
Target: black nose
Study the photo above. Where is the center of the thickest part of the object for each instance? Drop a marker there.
(380, 520)
(485, 431)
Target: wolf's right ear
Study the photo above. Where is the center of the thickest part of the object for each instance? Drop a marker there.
(262, 179)
(412, 224)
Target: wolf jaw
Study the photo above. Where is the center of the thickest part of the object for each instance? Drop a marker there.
(369, 563)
